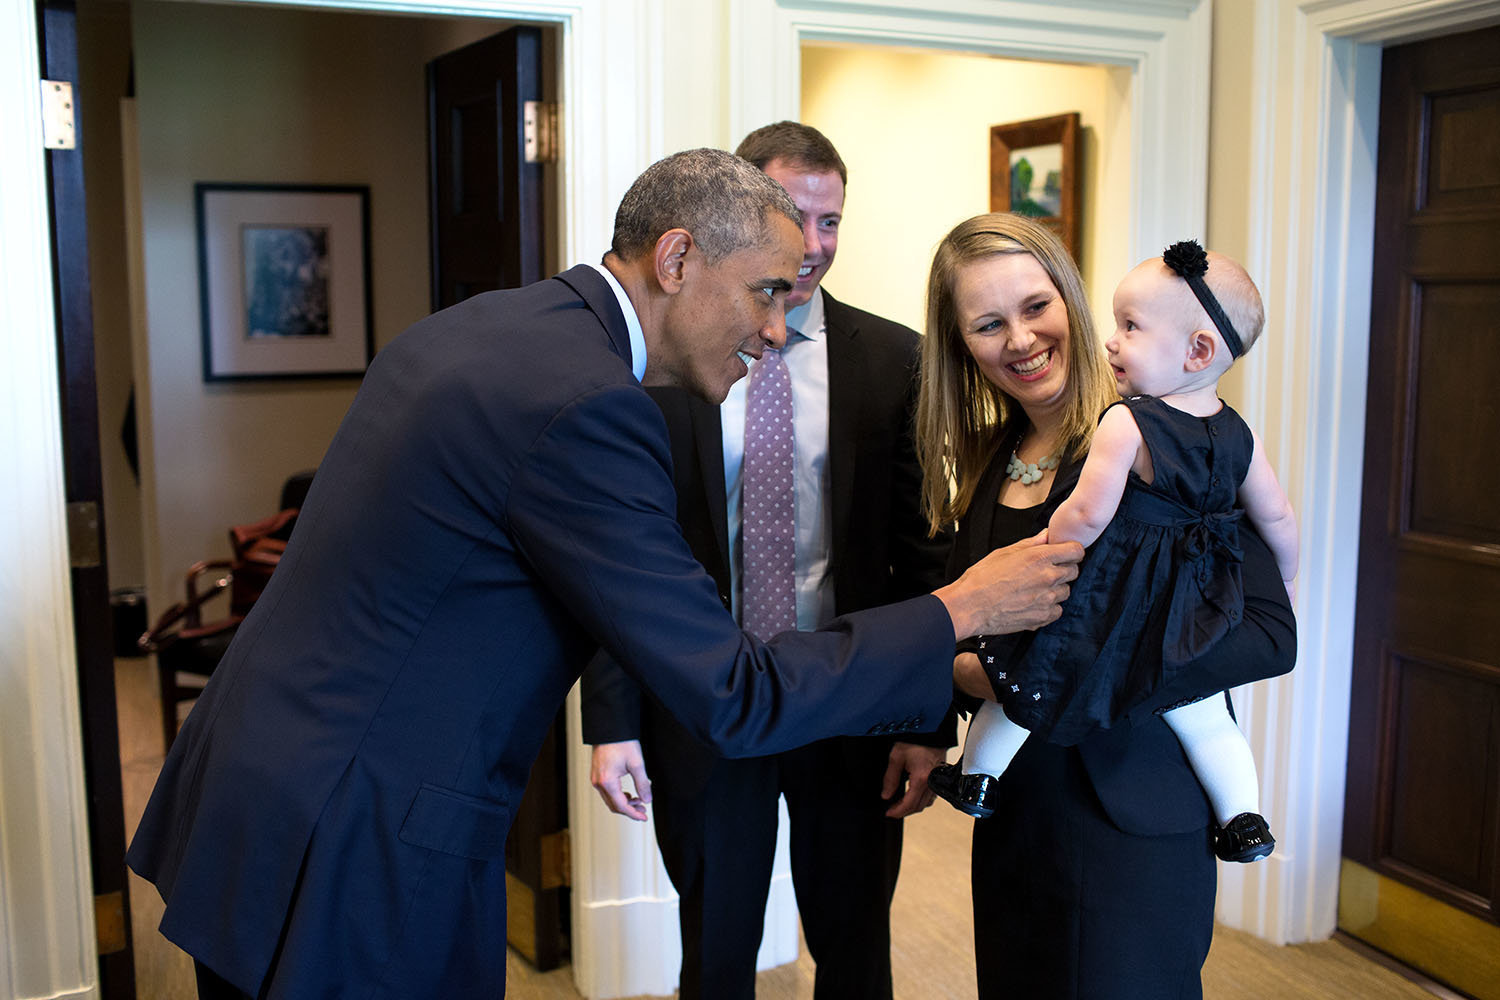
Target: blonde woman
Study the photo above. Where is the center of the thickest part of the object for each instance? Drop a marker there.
(1094, 876)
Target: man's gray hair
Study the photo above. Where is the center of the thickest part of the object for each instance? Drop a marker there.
(721, 199)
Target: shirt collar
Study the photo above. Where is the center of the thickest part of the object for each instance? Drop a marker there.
(807, 319)
(632, 323)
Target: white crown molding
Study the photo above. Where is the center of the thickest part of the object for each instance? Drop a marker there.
(1020, 11)
(1389, 21)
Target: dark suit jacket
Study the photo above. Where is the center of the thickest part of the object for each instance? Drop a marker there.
(879, 547)
(496, 504)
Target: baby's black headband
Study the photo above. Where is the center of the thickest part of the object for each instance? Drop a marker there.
(1189, 261)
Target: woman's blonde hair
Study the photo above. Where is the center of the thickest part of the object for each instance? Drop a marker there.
(961, 415)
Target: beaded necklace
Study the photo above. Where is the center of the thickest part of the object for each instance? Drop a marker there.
(1029, 472)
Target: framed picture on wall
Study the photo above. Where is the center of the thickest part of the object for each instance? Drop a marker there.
(284, 281)
(1034, 171)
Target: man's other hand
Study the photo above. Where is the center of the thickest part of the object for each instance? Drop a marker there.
(914, 763)
(611, 763)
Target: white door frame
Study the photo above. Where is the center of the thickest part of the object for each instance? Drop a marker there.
(1165, 44)
(46, 893)
(1168, 42)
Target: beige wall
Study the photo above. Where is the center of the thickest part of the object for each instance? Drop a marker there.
(1232, 109)
(913, 128)
(274, 96)
(699, 110)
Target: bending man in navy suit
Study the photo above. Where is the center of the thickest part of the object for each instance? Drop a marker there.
(860, 541)
(496, 505)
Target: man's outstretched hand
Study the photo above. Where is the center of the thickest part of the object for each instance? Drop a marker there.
(1019, 587)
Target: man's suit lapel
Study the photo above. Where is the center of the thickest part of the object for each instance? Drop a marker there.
(845, 379)
(708, 439)
(600, 298)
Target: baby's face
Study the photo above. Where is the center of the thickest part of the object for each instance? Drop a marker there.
(1149, 348)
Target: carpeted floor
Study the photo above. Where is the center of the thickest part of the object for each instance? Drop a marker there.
(931, 924)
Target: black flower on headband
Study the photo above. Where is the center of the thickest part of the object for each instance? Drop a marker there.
(1186, 259)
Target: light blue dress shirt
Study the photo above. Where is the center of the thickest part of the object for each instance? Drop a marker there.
(632, 323)
(806, 357)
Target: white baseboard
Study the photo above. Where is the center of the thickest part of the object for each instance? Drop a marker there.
(638, 949)
(86, 993)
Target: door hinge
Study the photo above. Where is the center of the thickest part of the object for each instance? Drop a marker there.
(109, 922)
(540, 121)
(83, 535)
(57, 115)
(557, 859)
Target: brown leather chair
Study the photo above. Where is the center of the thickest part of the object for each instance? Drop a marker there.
(183, 641)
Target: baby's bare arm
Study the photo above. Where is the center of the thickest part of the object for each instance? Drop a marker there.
(1271, 512)
(1084, 515)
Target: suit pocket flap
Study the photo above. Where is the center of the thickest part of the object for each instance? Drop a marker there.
(463, 825)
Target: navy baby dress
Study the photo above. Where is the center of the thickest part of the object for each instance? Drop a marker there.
(1158, 588)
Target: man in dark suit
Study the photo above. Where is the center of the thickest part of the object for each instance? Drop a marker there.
(496, 505)
(860, 541)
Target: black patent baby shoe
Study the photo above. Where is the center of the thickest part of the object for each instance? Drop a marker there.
(975, 794)
(1245, 838)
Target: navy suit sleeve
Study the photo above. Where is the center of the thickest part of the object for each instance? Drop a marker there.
(610, 702)
(592, 510)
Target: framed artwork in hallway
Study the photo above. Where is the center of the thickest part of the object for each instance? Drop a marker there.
(284, 280)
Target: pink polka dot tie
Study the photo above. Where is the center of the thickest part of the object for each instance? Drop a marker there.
(768, 502)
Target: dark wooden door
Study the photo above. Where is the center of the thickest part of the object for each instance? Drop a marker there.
(92, 622)
(486, 198)
(1422, 805)
(487, 211)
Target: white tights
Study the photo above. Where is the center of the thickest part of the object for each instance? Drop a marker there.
(1218, 751)
(1220, 755)
(992, 741)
